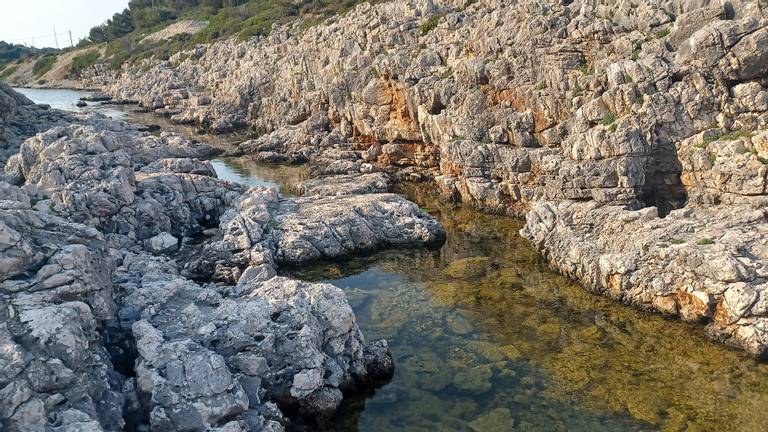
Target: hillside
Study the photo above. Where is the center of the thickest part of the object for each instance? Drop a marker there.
(13, 57)
(157, 30)
(62, 70)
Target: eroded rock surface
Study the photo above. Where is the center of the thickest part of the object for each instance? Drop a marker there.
(511, 106)
(20, 118)
(701, 264)
(103, 331)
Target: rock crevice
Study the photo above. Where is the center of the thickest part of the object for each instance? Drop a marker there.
(102, 228)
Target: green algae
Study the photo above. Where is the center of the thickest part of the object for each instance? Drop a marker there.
(484, 334)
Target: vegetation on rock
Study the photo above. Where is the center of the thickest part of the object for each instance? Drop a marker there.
(125, 31)
(43, 65)
(8, 71)
(84, 61)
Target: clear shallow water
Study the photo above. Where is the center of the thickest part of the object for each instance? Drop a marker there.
(66, 100)
(235, 169)
(487, 338)
(241, 169)
(245, 171)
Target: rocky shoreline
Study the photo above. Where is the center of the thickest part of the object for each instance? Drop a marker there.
(139, 289)
(557, 112)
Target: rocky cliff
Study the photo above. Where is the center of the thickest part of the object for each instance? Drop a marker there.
(138, 290)
(633, 135)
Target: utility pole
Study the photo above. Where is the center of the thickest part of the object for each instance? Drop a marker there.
(55, 38)
(70, 39)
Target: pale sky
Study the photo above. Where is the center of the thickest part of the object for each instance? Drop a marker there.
(21, 21)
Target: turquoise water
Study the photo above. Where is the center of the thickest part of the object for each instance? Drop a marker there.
(487, 338)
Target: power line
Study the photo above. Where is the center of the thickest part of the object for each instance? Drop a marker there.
(55, 36)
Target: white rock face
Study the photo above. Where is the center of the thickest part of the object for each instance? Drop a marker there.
(518, 107)
(185, 27)
(704, 265)
(20, 118)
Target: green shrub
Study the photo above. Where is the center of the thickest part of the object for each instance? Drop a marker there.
(585, 69)
(661, 34)
(235, 18)
(705, 241)
(8, 71)
(430, 24)
(43, 65)
(609, 118)
(250, 19)
(719, 136)
(731, 136)
(84, 61)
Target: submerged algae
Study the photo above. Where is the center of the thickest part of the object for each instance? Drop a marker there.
(483, 327)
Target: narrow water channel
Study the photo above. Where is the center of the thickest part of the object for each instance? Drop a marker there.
(487, 338)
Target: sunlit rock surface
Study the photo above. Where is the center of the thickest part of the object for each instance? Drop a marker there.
(508, 105)
(102, 332)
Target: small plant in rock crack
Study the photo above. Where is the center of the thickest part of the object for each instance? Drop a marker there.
(430, 24)
(609, 118)
(585, 69)
(661, 34)
(733, 136)
(705, 241)
(270, 226)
